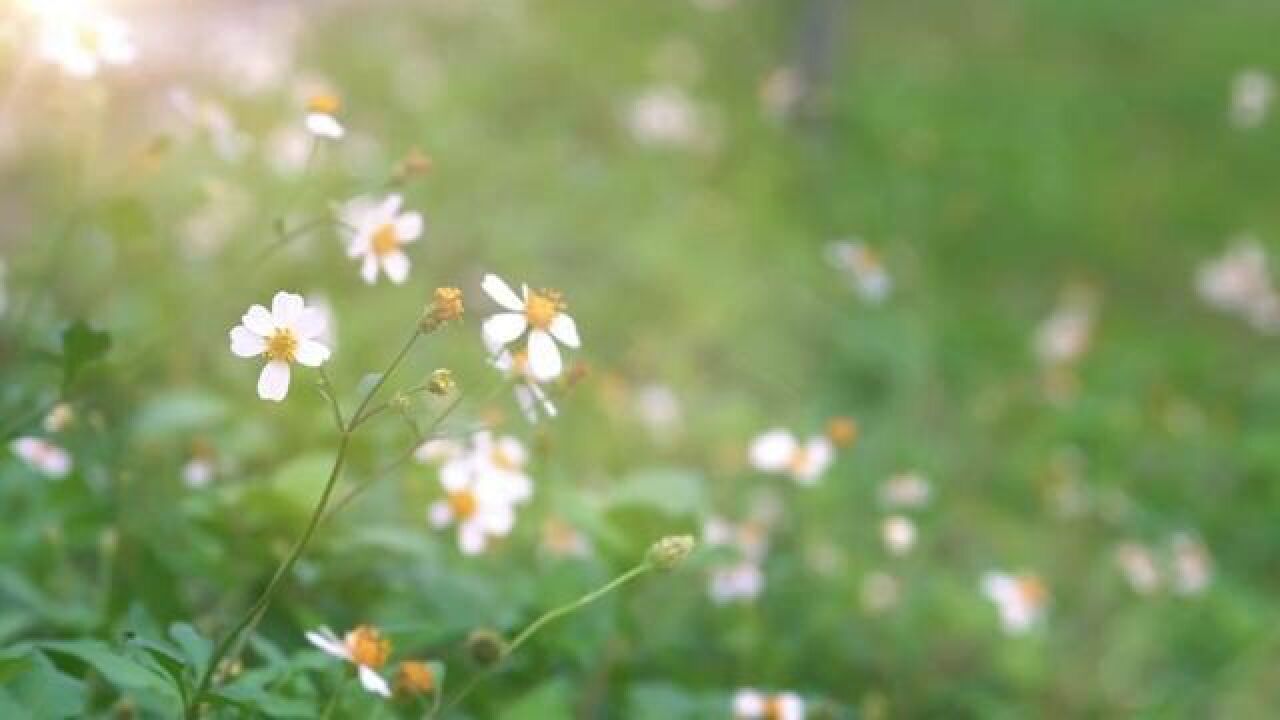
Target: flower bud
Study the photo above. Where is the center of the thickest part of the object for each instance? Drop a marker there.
(486, 647)
(446, 306)
(670, 551)
(842, 431)
(414, 164)
(415, 678)
(441, 382)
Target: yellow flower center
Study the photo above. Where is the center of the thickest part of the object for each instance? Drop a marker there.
(283, 345)
(1032, 590)
(773, 708)
(800, 460)
(415, 677)
(463, 503)
(385, 241)
(367, 647)
(503, 460)
(542, 307)
(325, 102)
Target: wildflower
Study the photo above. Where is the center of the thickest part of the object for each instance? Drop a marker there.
(1192, 566)
(778, 451)
(530, 395)
(842, 431)
(42, 456)
(863, 267)
(415, 678)
(560, 539)
(483, 483)
(739, 582)
(1138, 565)
(285, 334)
(321, 120)
(59, 418)
(1020, 599)
(542, 314)
(1064, 336)
(664, 116)
(199, 470)
(905, 490)
(1238, 282)
(670, 551)
(1252, 91)
(749, 703)
(364, 647)
(377, 233)
(81, 39)
(486, 647)
(899, 534)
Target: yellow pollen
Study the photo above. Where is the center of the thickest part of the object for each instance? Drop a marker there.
(327, 103)
(773, 709)
(542, 307)
(367, 647)
(282, 346)
(463, 503)
(385, 241)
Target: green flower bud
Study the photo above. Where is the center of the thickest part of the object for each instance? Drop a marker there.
(670, 551)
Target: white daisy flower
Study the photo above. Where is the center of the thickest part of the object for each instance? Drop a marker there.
(778, 451)
(541, 313)
(377, 232)
(863, 266)
(284, 334)
(749, 704)
(364, 647)
(905, 490)
(1138, 564)
(483, 483)
(42, 456)
(1020, 599)
(530, 395)
(81, 39)
(739, 582)
(664, 116)
(321, 119)
(1064, 336)
(899, 534)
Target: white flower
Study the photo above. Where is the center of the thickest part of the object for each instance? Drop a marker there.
(1192, 566)
(1020, 599)
(364, 647)
(1138, 565)
(284, 334)
(42, 455)
(539, 312)
(1239, 282)
(778, 451)
(483, 483)
(664, 116)
(321, 119)
(1251, 94)
(749, 703)
(59, 418)
(377, 232)
(80, 39)
(1064, 336)
(530, 395)
(862, 265)
(905, 490)
(740, 582)
(750, 538)
(899, 534)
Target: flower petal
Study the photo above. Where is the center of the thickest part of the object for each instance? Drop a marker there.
(311, 323)
(328, 642)
(369, 269)
(772, 451)
(324, 126)
(409, 227)
(389, 207)
(273, 383)
(285, 308)
(258, 319)
(439, 514)
(311, 353)
(373, 682)
(455, 475)
(471, 538)
(246, 343)
(565, 330)
(396, 266)
(503, 328)
(544, 356)
(501, 292)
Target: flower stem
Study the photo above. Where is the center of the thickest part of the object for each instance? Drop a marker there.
(538, 624)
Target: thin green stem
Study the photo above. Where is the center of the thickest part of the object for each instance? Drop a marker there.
(357, 416)
(538, 624)
(334, 699)
(326, 387)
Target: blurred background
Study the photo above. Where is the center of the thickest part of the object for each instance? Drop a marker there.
(1006, 261)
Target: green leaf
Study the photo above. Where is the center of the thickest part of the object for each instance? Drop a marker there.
(179, 413)
(673, 491)
(39, 688)
(548, 700)
(195, 647)
(81, 346)
(122, 672)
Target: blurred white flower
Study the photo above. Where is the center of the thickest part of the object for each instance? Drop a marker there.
(1020, 599)
(739, 582)
(530, 395)
(198, 471)
(80, 38)
(1064, 336)
(560, 539)
(321, 119)
(377, 232)
(664, 116)
(659, 411)
(778, 451)
(542, 314)
(905, 490)
(1252, 91)
(880, 592)
(42, 456)
(1238, 282)
(363, 647)
(284, 334)
(898, 533)
(483, 482)
(1192, 566)
(750, 538)
(59, 418)
(781, 92)
(751, 704)
(1138, 565)
(862, 266)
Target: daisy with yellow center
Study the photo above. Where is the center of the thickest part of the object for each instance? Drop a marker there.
(540, 313)
(483, 482)
(81, 39)
(285, 334)
(365, 647)
(778, 451)
(377, 233)
(751, 704)
(1020, 599)
(322, 112)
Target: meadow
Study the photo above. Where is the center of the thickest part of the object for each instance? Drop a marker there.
(656, 360)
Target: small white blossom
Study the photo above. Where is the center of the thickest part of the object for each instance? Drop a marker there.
(1138, 565)
(321, 118)
(81, 39)
(363, 647)
(42, 456)
(751, 704)
(899, 534)
(778, 451)
(664, 116)
(739, 582)
(540, 313)
(863, 267)
(377, 232)
(905, 490)
(1192, 566)
(530, 395)
(284, 334)
(1251, 94)
(1064, 336)
(1020, 599)
(1238, 282)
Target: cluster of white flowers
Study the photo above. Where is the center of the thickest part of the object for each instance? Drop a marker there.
(742, 579)
(1021, 600)
(484, 481)
(863, 267)
(778, 451)
(1185, 568)
(1238, 282)
(79, 37)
